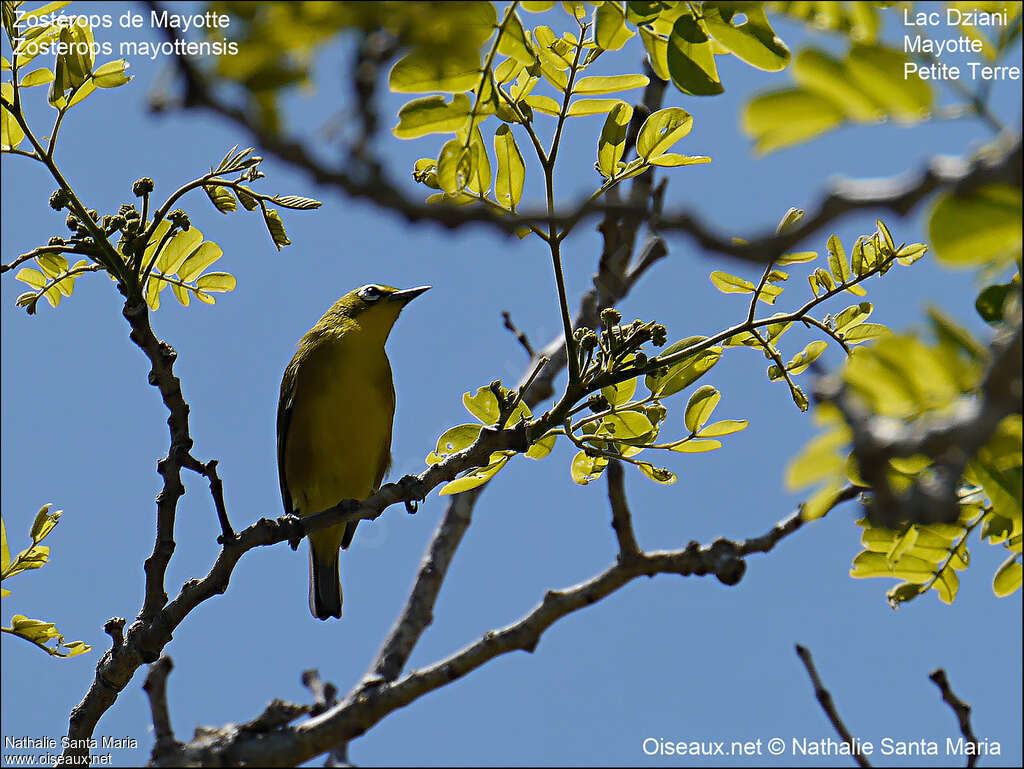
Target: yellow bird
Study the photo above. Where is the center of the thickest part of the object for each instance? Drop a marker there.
(334, 423)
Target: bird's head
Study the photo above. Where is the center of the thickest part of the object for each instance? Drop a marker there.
(372, 308)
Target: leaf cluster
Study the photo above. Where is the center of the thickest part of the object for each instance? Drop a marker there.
(35, 556)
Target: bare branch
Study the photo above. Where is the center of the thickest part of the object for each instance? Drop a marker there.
(825, 700)
(962, 711)
(366, 705)
(622, 519)
(156, 687)
(519, 335)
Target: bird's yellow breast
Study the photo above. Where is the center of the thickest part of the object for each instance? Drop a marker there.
(339, 434)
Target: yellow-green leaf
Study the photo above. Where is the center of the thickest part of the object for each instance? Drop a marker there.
(583, 107)
(723, 427)
(596, 86)
(661, 130)
(731, 284)
(700, 407)
(508, 183)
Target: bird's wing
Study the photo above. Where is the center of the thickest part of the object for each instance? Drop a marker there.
(284, 417)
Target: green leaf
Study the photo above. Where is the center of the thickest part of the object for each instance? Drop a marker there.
(910, 254)
(221, 197)
(44, 523)
(731, 284)
(217, 282)
(979, 227)
(542, 447)
(657, 53)
(853, 316)
(828, 78)
(797, 258)
(595, 86)
(780, 119)
(671, 159)
(789, 220)
(620, 393)
(612, 142)
(696, 447)
(1008, 577)
(474, 479)
(583, 107)
(428, 69)
(585, 469)
(112, 74)
(626, 427)
(508, 183)
(806, 357)
(817, 461)
(5, 551)
(723, 427)
(687, 371)
(453, 166)
(700, 407)
(454, 440)
(880, 73)
(40, 76)
(536, 6)
(837, 262)
(178, 249)
(661, 130)
(207, 253)
(991, 302)
(431, 114)
(11, 134)
(483, 405)
(659, 474)
(690, 60)
(514, 42)
(276, 228)
(544, 104)
(610, 31)
(865, 332)
(754, 41)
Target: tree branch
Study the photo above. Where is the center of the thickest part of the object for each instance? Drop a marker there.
(825, 700)
(365, 707)
(999, 162)
(962, 711)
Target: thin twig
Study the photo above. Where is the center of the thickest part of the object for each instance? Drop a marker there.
(962, 711)
(519, 335)
(825, 700)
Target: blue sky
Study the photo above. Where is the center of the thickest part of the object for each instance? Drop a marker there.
(669, 658)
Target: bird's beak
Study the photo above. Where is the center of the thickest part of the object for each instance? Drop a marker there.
(407, 295)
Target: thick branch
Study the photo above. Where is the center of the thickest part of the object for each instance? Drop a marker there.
(364, 707)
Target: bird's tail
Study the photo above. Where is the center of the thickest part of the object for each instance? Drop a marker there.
(324, 583)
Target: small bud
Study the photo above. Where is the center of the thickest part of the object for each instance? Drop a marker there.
(179, 218)
(655, 412)
(659, 335)
(72, 223)
(610, 316)
(142, 187)
(59, 200)
(93, 214)
(598, 403)
(588, 340)
(639, 360)
(56, 240)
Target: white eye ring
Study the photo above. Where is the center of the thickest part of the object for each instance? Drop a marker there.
(370, 293)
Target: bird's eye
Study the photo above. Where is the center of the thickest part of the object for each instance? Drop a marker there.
(370, 293)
